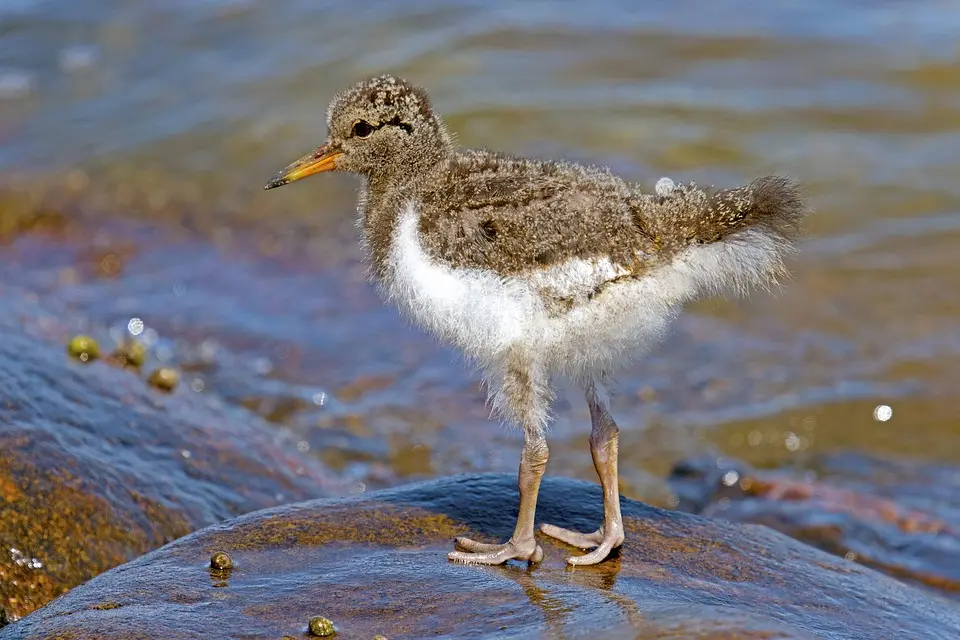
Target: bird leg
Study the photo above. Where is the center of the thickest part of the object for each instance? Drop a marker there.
(604, 447)
(522, 545)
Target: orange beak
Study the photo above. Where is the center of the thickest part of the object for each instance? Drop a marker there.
(323, 159)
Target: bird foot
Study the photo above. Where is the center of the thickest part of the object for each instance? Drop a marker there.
(484, 553)
(604, 543)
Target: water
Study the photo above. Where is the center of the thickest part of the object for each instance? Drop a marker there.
(135, 140)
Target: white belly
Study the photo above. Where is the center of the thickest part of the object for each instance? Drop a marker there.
(486, 315)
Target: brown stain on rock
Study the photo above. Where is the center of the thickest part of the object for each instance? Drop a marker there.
(368, 523)
(67, 533)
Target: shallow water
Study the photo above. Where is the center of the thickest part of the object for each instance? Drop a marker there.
(145, 133)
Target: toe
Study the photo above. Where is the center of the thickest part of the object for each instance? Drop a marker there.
(573, 538)
(596, 556)
(476, 558)
(473, 546)
(495, 554)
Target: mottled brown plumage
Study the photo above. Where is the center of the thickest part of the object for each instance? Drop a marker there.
(538, 268)
(483, 209)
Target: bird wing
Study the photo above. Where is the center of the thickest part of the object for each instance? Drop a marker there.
(527, 217)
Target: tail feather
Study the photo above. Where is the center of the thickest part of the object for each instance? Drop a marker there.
(688, 214)
(729, 239)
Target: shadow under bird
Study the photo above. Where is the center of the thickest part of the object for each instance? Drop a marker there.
(538, 269)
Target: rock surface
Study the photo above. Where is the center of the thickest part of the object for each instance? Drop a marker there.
(96, 468)
(901, 517)
(376, 564)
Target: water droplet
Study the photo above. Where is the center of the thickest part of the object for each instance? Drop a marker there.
(792, 442)
(135, 326)
(197, 385)
(882, 413)
(208, 350)
(664, 187)
(185, 453)
(15, 83)
(319, 398)
(730, 478)
(851, 556)
(77, 57)
(179, 289)
(754, 438)
(303, 446)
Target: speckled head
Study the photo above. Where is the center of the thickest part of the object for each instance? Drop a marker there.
(383, 127)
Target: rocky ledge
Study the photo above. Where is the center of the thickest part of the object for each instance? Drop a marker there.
(376, 564)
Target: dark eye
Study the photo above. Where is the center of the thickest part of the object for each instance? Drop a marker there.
(362, 129)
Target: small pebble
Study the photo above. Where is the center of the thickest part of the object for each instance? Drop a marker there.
(83, 348)
(322, 627)
(164, 378)
(221, 561)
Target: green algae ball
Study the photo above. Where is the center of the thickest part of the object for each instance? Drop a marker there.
(221, 561)
(130, 353)
(322, 627)
(83, 348)
(164, 378)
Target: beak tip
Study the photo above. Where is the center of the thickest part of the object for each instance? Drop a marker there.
(276, 181)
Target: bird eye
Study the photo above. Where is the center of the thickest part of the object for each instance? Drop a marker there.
(362, 129)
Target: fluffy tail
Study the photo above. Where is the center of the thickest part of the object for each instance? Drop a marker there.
(735, 237)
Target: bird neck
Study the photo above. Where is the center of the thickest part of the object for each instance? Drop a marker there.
(406, 173)
(381, 200)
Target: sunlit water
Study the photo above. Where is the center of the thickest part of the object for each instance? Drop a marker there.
(161, 122)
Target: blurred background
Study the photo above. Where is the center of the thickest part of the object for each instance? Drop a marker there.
(135, 139)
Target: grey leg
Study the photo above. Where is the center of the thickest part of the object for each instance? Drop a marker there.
(524, 399)
(604, 447)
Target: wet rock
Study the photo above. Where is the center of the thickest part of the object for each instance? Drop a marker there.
(95, 469)
(897, 516)
(377, 565)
